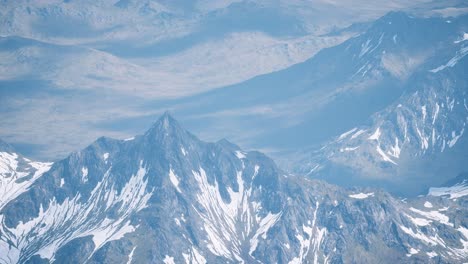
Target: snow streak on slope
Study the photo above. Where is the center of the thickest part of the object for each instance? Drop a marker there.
(314, 237)
(453, 192)
(60, 223)
(230, 225)
(13, 181)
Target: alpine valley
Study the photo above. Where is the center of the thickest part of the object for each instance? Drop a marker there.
(167, 197)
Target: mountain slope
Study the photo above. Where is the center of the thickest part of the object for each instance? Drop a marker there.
(417, 141)
(17, 173)
(166, 196)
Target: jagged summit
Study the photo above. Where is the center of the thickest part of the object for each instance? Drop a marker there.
(165, 124)
(168, 132)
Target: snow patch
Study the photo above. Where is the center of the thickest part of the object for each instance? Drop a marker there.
(130, 256)
(346, 134)
(240, 155)
(194, 257)
(174, 180)
(412, 251)
(453, 192)
(361, 195)
(168, 260)
(428, 204)
(419, 221)
(376, 135)
(452, 62)
(395, 150)
(11, 183)
(358, 133)
(348, 149)
(265, 224)
(434, 215)
(463, 38)
(424, 112)
(455, 138)
(430, 240)
(84, 174)
(384, 156)
(80, 219)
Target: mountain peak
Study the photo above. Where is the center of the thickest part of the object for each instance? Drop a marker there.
(167, 127)
(165, 123)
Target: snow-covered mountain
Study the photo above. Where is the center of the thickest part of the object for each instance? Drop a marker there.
(17, 173)
(419, 139)
(166, 196)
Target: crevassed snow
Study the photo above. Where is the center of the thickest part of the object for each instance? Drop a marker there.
(376, 135)
(80, 219)
(454, 192)
(361, 195)
(174, 180)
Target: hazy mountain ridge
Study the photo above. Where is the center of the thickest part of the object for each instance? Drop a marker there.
(142, 198)
(418, 139)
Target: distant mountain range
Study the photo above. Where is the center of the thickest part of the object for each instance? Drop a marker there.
(386, 108)
(167, 197)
